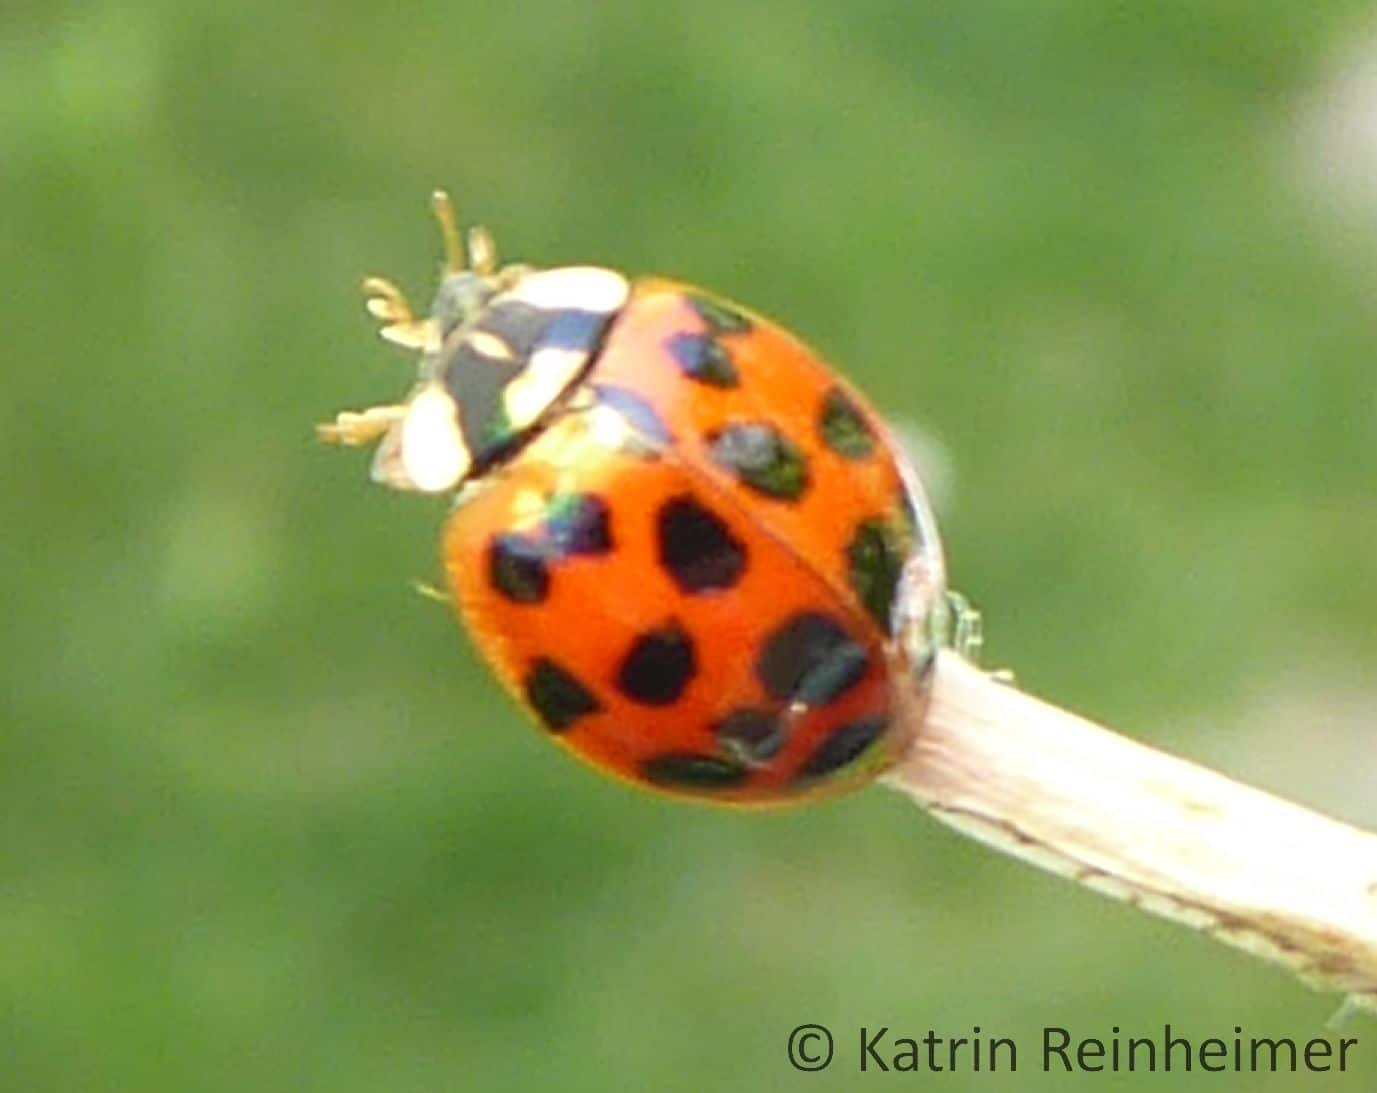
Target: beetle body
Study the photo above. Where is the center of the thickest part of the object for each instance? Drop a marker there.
(689, 549)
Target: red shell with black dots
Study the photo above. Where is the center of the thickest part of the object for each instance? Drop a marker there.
(688, 549)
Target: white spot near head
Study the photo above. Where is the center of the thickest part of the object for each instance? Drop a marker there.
(549, 371)
(488, 345)
(433, 453)
(585, 288)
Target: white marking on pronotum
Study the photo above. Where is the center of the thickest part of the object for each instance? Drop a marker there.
(552, 368)
(549, 371)
(489, 345)
(586, 288)
(430, 447)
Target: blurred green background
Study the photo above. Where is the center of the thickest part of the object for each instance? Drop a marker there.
(267, 824)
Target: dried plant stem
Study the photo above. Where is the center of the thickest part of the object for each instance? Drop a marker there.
(1163, 834)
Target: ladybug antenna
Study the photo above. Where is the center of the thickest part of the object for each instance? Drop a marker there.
(443, 208)
(482, 251)
(481, 255)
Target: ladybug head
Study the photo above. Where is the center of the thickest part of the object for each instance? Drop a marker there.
(500, 350)
(471, 277)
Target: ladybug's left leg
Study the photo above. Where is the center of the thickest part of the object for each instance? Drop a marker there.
(388, 304)
(357, 427)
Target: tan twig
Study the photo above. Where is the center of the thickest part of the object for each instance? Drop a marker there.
(1163, 834)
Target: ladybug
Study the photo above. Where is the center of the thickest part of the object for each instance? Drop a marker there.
(692, 552)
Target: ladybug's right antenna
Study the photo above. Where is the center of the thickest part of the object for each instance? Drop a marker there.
(443, 207)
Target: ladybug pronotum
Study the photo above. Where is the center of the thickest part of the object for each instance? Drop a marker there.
(692, 552)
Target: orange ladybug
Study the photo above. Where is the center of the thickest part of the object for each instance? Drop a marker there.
(692, 552)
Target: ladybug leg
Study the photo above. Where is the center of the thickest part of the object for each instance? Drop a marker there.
(385, 301)
(388, 304)
(357, 427)
(433, 592)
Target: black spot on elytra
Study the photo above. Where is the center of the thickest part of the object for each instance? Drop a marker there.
(762, 458)
(697, 549)
(689, 770)
(721, 317)
(658, 666)
(701, 357)
(636, 411)
(844, 747)
(810, 659)
(749, 735)
(516, 568)
(557, 697)
(843, 428)
(578, 523)
(875, 560)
